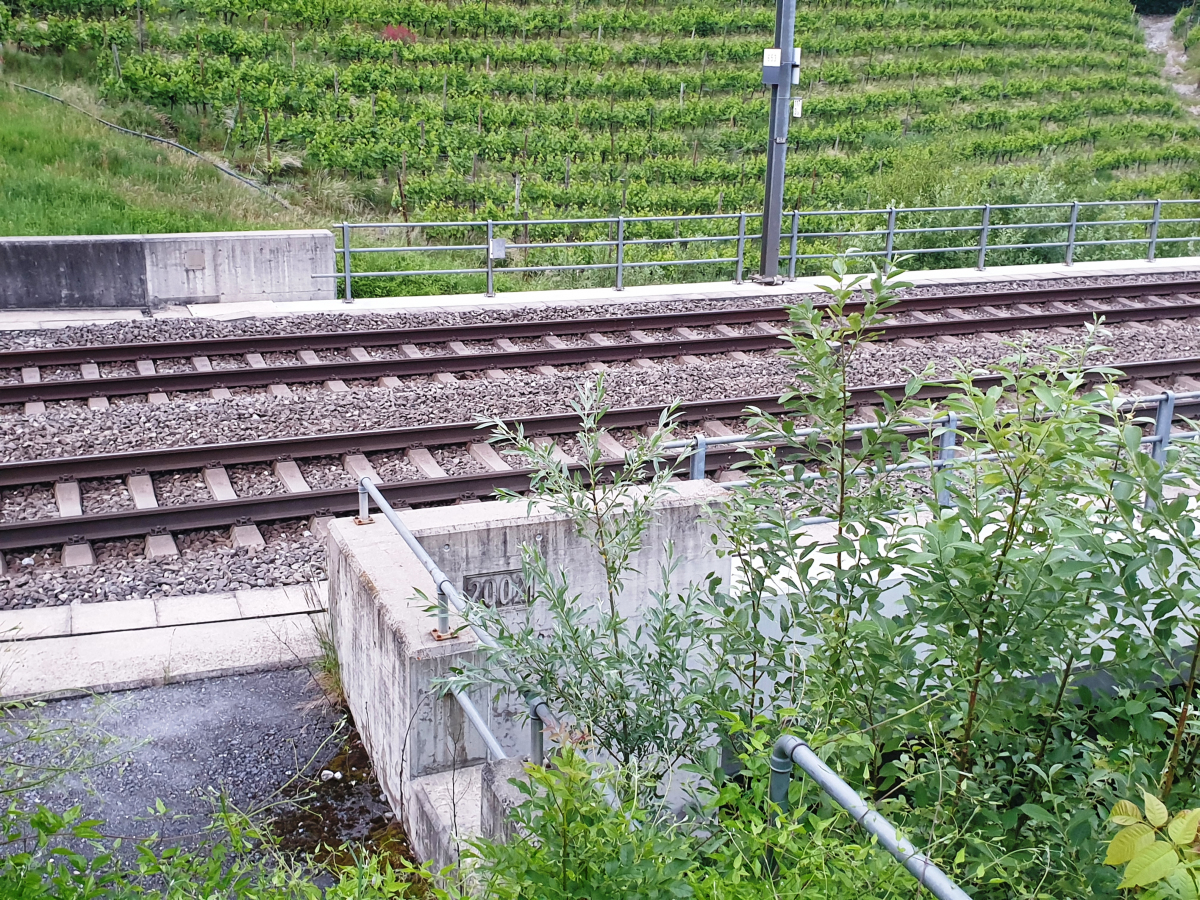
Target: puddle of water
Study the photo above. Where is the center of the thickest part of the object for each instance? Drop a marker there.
(341, 811)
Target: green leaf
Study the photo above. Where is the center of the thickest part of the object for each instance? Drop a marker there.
(1154, 863)
(1125, 813)
(1182, 829)
(1128, 843)
(1156, 812)
(1038, 814)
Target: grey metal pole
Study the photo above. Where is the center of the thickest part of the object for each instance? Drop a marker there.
(698, 458)
(346, 260)
(443, 626)
(620, 253)
(795, 236)
(890, 240)
(1164, 415)
(537, 734)
(983, 235)
(480, 724)
(741, 249)
(778, 74)
(1154, 231)
(947, 449)
(1071, 228)
(364, 506)
(491, 287)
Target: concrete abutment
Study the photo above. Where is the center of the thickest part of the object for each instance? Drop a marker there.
(427, 756)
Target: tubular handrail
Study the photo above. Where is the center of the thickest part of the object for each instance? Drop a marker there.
(1163, 405)
(883, 239)
(789, 751)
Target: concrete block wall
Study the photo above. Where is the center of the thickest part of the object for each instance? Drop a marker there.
(110, 271)
(379, 599)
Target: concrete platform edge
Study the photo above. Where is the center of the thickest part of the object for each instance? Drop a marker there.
(12, 320)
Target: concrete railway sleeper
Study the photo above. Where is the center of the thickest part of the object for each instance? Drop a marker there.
(443, 352)
(293, 497)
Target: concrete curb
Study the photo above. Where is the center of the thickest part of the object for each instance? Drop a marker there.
(12, 320)
(67, 650)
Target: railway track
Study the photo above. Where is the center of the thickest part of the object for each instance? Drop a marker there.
(384, 356)
(294, 498)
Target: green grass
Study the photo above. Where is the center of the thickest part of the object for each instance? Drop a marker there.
(62, 173)
(655, 107)
(916, 103)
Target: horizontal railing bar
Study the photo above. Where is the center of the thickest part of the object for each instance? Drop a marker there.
(992, 247)
(498, 270)
(678, 262)
(431, 249)
(914, 251)
(564, 245)
(404, 272)
(819, 234)
(936, 228)
(1098, 243)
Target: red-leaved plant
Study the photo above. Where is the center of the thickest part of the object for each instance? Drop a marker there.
(399, 33)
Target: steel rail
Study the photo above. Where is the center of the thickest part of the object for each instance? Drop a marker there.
(69, 468)
(285, 343)
(516, 359)
(377, 368)
(39, 532)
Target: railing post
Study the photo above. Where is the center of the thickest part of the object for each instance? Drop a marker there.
(1164, 415)
(1071, 232)
(983, 235)
(947, 448)
(537, 734)
(1154, 220)
(620, 253)
(491, 284)
(698, 458)
(795, 236)
(781, 779)
(741, 248)
(443, 603)
(364, 506)
(891, 236)
(349, 298)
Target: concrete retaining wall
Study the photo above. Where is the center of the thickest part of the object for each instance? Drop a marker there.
(427, 756)
(83, 272)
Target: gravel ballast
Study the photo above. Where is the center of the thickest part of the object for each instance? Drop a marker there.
(78, 430)
(209, 563)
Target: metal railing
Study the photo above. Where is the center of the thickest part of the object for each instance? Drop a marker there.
(540, 713)
(1157, 442)
(631, 243)
(790, 751)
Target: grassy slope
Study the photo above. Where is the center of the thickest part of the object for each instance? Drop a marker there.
(960, 102)
(61, 173)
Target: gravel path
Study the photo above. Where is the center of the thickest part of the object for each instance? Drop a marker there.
(246, 736)
(168, 329)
